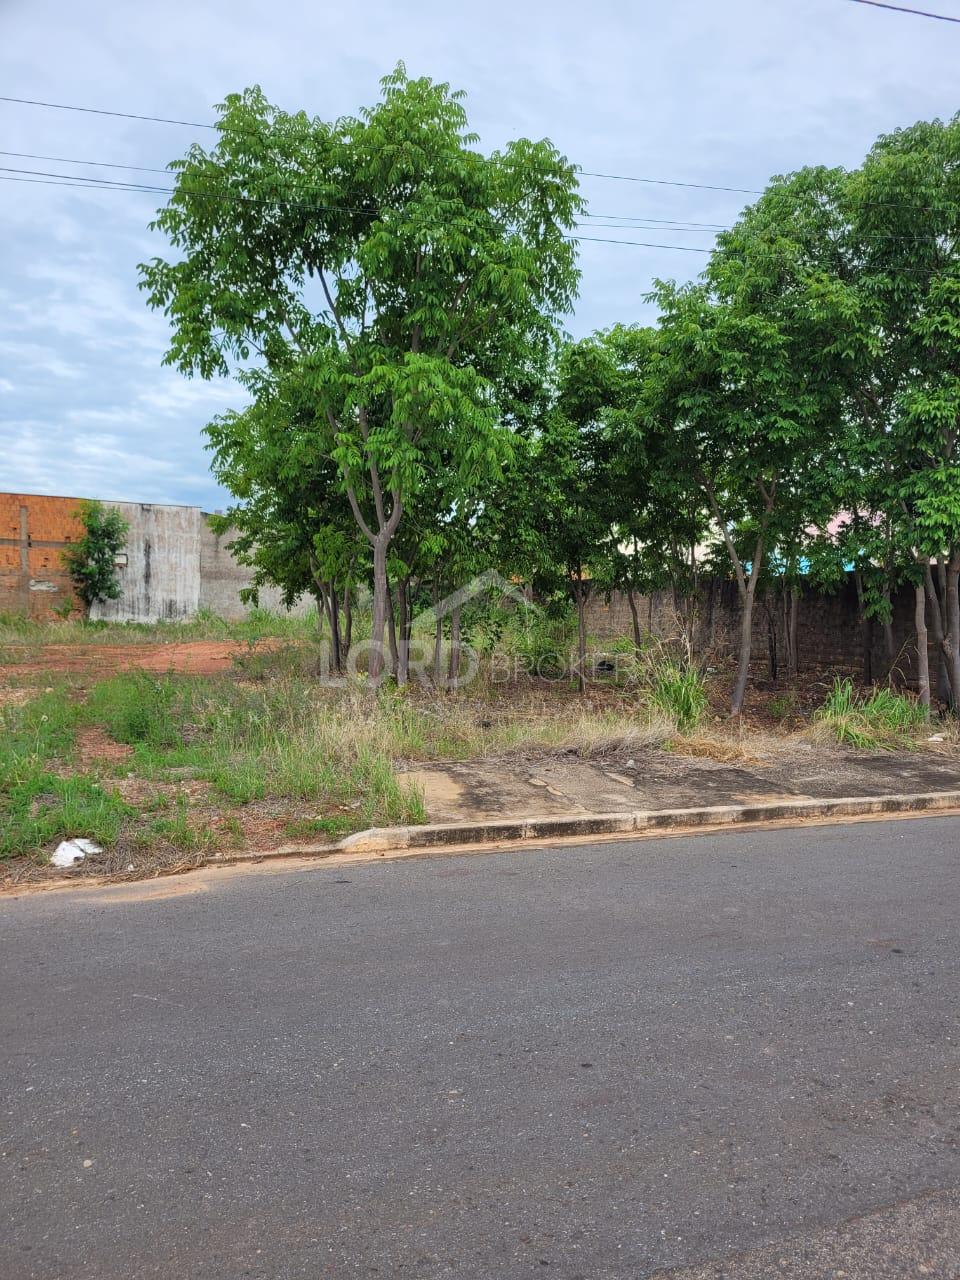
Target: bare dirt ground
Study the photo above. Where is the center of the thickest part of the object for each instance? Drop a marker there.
(192, 657)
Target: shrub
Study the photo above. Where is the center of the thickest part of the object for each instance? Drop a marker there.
(542, 643)
(140, 708)
(92, 561)
(783, 705)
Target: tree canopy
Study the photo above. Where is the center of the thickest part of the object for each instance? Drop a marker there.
(406, 283)
(390, 299)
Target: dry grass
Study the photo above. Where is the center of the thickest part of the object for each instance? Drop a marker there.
(725, 748)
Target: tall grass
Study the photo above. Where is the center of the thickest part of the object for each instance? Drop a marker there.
(39, 801)
(678, 691)
(881, 719)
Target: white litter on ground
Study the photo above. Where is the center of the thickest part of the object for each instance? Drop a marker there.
(69, 852)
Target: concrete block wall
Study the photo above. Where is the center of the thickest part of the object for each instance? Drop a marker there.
(160, 579)
(222, 580)
(829, 634)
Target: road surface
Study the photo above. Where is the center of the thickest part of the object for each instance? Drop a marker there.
(728, 1055)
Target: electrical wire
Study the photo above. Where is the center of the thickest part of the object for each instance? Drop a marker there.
(899, 8)
(97, 111)
(196, 124)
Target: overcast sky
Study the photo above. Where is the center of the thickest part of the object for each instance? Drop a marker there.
(689, 90)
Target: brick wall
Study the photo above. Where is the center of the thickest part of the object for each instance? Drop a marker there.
(33, 533)
(829, 633)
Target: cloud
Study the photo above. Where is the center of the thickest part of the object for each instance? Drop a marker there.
(724, 94)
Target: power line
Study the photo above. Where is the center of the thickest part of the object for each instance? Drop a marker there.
(899, 8)
(678, 224)
(664, 182)
(115, 184)
(83, 182)
(587, 173)
(97, 111)
(98, 164)
(196, 124)
(41, 178)
(643, 244)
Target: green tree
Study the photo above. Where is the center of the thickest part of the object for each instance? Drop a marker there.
(748, 390)
(905, 203)
(407, 281)
(91, 561)
(656, 509)
(556, 509)
(292, 523)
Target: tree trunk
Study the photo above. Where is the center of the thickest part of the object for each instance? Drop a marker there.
(333, 615)
(406, 626)
(319, 596)
(453, 670)
(635, 618)
(746, 641)
(935, 601)
(889, 645)
(746, 586)
(392, 630)
(772, 662)
(580, 596)
(951, 639)
(923, 653)
(437, 637)
(381, 606)
(347, 621)
(791, 601)
(866, 629)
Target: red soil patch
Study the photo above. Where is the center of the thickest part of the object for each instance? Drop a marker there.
(195, 657)
(94, 746)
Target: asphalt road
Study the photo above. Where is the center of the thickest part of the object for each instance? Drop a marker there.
(730, 1055)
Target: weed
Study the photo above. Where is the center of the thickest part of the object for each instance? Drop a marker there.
(881, 719)
(678, 691)
(138, 708)
(783, 705)
(258, 624)
(183, 832)
(333, 828)
(541, 644)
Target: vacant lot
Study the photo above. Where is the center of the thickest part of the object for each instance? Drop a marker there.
(169, 745)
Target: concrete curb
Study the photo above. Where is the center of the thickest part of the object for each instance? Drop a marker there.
(399, 842)
(384, 840)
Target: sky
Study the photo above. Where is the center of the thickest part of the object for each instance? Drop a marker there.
(687, 91)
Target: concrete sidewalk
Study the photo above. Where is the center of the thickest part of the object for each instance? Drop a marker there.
(569, 785)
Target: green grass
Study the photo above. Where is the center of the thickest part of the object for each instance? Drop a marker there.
(330, 828)
(38, 804)
(283, 740)
(783, 705)
(677, 690)
(258, 624)
(880, 720)
(269, 733)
